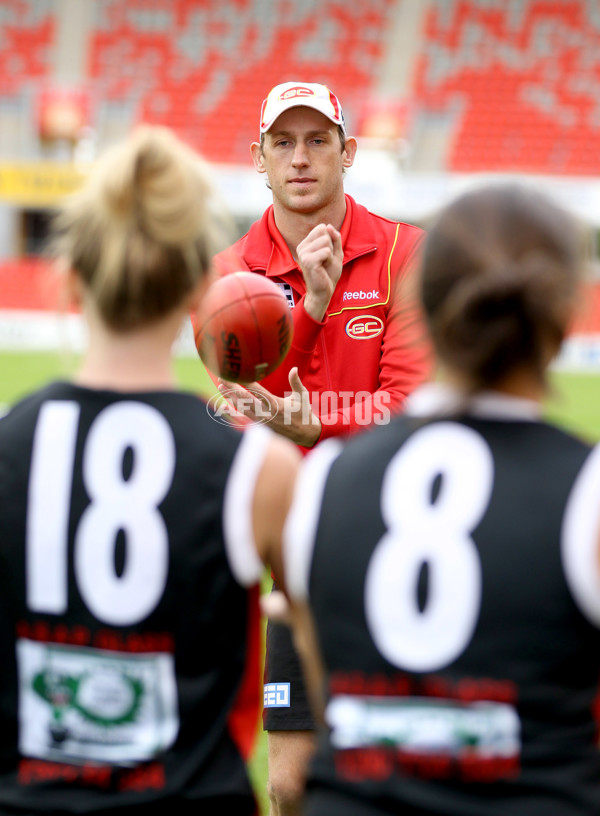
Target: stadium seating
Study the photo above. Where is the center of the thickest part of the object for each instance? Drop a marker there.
(26, 39)
(513, 86)
(518, 84)
(29, 284)
(204, 69)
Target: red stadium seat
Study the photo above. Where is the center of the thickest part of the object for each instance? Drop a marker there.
(30, 284)
(528, 77)
(205, 74)
(26, 42)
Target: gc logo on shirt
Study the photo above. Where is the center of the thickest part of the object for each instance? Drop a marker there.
(364, 327)
(277, 695)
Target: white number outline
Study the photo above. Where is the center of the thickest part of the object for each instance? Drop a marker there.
(439, 534)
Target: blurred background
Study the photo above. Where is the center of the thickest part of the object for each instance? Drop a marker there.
(441, 94)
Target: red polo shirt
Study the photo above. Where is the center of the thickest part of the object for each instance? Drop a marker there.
(369, 352)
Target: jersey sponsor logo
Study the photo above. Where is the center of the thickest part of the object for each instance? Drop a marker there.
(360, 295)
(91, 704)
(364, 327)
(277, 695)
(288, 292)
(425, 725)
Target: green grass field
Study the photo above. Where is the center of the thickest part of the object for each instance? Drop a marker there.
(574, 404)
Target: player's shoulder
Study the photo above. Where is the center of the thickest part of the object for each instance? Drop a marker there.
(407, 238)
(393, 225)
(249, 251)
(17, 429)
(384, 222)
(231, 258)
(28, 405)
(198, 422)
(562, 441)
(364, 452)
(182, 410)
(391, 236)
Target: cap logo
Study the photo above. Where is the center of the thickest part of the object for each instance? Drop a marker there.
(299, 91)
(312, 95)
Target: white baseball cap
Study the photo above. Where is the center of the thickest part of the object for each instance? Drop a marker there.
(293, 94)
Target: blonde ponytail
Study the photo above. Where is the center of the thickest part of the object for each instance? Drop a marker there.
(143, 230)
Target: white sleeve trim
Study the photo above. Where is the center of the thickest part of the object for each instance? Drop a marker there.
(300, 528)
(240, 545)
(579, 539)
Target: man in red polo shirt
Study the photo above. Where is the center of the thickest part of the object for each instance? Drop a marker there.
(358, 347)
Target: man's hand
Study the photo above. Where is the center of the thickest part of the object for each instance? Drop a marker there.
(291, 416)
(320, 257)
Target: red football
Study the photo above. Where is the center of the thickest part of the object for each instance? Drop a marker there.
(244, 327)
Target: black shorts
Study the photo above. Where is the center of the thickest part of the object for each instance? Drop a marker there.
(324, 802)
(286, 700)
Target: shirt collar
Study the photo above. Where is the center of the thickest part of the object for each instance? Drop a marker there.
(441, 398)
(266, 249)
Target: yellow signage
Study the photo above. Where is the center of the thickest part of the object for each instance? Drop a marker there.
(38, 184)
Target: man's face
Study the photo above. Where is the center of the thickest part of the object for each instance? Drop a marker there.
(303, 159)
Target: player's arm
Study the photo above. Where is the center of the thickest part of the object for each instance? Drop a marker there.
(307, 645)
(290, 416)
(406, 362)
(307, 331)
(320, 257)
(299, 538)
(272, 499)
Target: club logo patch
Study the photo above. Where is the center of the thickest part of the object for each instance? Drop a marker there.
(299, 90)
(277, 695)
(288, 292)
(364, 327)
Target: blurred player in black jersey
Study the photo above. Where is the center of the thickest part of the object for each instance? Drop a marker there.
(451, 559)
(133, 527)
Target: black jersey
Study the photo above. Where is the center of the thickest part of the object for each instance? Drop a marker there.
(452, 569)
(128, 605)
